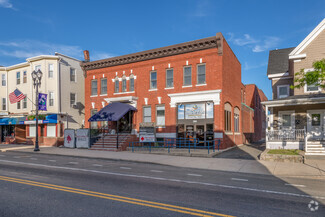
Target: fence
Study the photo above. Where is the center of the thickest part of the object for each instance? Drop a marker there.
(170, 144)
(286, 135)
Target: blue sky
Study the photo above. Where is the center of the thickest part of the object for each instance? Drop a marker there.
(112, 28)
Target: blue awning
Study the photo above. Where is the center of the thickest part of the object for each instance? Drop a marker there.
(112, 112)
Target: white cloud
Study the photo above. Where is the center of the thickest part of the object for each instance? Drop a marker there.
(100, 55)
(6, 4)
(269, 42)
(255, 44)
(256, 66)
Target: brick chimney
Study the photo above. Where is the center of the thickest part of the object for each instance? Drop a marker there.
(86, 55)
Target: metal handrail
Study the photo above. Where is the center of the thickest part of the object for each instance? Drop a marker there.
(286, 135)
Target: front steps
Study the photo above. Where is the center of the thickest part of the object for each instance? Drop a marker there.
(315, 148)
(108, 142)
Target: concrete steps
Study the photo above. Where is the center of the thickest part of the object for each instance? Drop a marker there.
(315, 148)
(108, 143)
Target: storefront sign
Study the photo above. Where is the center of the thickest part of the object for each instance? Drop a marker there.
(194, 111)
(82, 138)
(147, 134)
(69, 138)
(3, 113)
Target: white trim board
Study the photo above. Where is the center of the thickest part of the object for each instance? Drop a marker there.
(198, 96)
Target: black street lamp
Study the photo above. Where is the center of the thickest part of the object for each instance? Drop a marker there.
(37, 77)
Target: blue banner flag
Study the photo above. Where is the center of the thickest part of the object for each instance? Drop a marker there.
(42, 98)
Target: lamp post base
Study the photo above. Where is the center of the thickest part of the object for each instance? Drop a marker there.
(36, 149)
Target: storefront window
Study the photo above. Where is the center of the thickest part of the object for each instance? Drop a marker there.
(181, 112)
(160, 115)
(210, 110)
(51, 130)
(32, 130)
(195, 111)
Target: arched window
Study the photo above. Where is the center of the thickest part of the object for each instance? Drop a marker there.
(123, 83)
(131, 83)
(117, 85)
(228, 109)
(236, 119)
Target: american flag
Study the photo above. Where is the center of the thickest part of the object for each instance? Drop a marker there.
(16, 96)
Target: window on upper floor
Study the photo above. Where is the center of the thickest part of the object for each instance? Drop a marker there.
(4, 104)
(73, 99)
(18, 104)
(73, 77)
(117, 85)
(94, 87)
(25, 77)
(18, 77)
(153, 80)
(51, 98)
(312, 88)
(103, 86)
(131, 83)
(169, 78)
(124, 84)
(283, 91)
(201, 74)
(3, 80)
(51, 70)
(37, 67)
(25, 102)
(187, 76)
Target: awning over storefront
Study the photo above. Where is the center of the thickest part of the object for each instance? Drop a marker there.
(112, 112)
(53, 118)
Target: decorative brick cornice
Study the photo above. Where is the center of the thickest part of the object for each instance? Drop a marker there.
(192, 46)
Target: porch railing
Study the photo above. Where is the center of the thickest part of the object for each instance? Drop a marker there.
(286, 135)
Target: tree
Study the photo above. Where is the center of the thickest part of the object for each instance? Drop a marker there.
(316, 77)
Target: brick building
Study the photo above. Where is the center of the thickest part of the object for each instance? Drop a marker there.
(188, 90)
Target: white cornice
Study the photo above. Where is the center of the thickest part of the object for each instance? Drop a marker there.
(278, 75)
(319, 28)
(197, 96)
(32, 59)
(287, 102)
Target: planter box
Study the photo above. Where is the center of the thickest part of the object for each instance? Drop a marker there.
(281, 158)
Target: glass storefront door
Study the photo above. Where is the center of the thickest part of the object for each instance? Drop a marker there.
(200, 134)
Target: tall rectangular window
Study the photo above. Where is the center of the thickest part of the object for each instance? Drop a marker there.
(18, 78)
(227, 120)
(51, 98)
(94, 87)
(117, 86)
(123, 85)
(51, 130)
(25, 77)
(94, 124)
(147, 114)
(73, 75)
(51, 70)
(72, 99)
(131, 84)
(25, 102)
(38, 67)
(201, 74)
(187, 75)
(4, 104)
(18, 105)
(103, 86)
(236, 122)
(160, 115)
(169, 78)
(32, 130)
(153, 80)
(3, 80)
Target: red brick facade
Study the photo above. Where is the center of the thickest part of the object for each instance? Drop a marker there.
(222, 72)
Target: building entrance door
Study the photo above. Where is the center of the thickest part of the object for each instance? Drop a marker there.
(315, 125)
(200, 134)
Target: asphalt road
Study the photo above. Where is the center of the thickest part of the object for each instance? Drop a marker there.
(43, 185)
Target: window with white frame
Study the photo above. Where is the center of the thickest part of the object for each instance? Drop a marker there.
(236, 119)
(25, 77)
(124, 84)
(201, 74)
(311, 87)
(117, 85)
(153, 80)
(131, 83)
(147, 114)
(51, 130)
(169, 78)
(4, 104)
(94, 87)
(51, 98)
(3, 80)
(18, 77)
(160, 115)
(73, 77)
(25, 102)
(72, 99)
(38, 67)
(103, 86)
(18, 104)
(32, 130)
(187, 74)
(51, 70)
(287, 119)
(283, 91)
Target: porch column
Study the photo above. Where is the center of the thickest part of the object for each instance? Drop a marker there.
(266, 122)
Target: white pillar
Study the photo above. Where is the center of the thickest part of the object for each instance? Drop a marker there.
(266, 122)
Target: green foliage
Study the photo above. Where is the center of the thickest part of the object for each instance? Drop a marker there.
(316, 77)
(32, 117)
(284, 151)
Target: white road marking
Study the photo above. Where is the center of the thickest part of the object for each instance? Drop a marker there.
(156, 171)
(166, 179)
(125, 168)
(295, 185)
(191, 174)
(16, 157)
(243, 180)
(52, 160)
(97, 165)
(33, 158)
(73, 162)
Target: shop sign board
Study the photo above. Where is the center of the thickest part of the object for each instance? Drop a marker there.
(69, 138)
(147, 132)
(195, 111)
(82, 138)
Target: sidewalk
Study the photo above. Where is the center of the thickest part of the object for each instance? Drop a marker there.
(313, 168)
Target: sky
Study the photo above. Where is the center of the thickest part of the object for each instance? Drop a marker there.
(112, 28)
